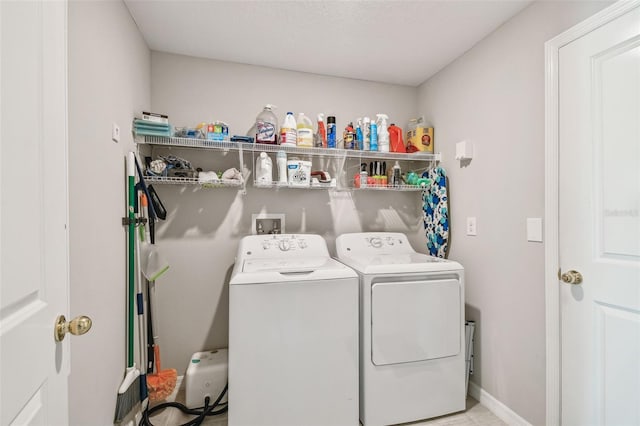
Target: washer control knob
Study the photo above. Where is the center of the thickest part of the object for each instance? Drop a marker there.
(265, 245)
(284, 245)
(302, 244)
(376, 242)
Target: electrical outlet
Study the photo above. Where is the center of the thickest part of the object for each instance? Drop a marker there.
(266, 223)
(471, 226)
(115, 133)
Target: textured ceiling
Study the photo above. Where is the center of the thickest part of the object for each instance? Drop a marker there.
(392, 41)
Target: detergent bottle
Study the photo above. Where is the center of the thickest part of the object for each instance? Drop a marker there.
(266, 127)
(395, 136)
(305, 131)
(288, 131)
(264, 167)
(383, 132)
(321, 133)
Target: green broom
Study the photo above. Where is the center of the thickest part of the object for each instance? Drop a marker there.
(129, 391)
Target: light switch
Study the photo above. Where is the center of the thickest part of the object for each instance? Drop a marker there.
(534, 229)
(471, 226)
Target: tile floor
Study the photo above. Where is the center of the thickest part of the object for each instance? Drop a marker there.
(475, 415)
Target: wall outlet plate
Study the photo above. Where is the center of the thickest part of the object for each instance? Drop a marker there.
(267, 223)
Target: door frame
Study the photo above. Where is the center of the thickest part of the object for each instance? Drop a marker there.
(552, 193)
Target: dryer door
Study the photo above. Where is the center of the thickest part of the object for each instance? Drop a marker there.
(415, 320)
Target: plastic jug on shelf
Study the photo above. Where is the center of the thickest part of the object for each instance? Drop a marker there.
(266, 126)
(289, 131)
(395, 137)
(305, 131)
(264, 170)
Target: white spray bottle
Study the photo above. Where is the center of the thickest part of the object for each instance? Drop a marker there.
(383, 133)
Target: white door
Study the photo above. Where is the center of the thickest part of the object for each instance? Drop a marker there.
(599, 224)
(33, 215)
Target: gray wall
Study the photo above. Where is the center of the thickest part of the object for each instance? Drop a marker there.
(494, 96)
(201, 233)
(109, 68)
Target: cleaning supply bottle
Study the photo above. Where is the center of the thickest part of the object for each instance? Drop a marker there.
(305, 131)
(331, 132)
(264, 167)
(349, 137)
(383, 132)
(359, 139)
(373, 143)
(395, 136)
(266, 126)
(364, 176)
(396, 176)
(281, 162)
(321, 134)
(288, 131)
(366, 134)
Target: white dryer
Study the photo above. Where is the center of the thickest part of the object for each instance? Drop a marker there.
(293, 334)
(412, 342)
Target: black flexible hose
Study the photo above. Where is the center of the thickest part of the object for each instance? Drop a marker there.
(202, 413)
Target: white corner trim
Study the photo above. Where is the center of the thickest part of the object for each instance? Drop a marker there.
(501, 411)
(551, 211)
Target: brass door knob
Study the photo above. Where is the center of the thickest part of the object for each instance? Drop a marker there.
(77, 326)
(571, 277)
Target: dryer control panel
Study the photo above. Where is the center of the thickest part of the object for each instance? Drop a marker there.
(373, 243)
(282, 245)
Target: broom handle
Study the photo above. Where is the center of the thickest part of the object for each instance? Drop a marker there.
(132, 245)
(150, 341)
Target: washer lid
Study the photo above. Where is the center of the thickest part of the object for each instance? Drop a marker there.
(264, 271)
(399, 263)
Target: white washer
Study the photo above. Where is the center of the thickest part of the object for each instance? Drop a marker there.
(412, 356)
(293, 334)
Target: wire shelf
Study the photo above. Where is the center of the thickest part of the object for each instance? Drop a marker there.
(278, 185)
(316, 152)
(222, 183)
(389, 188)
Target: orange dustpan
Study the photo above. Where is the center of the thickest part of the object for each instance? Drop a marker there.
(161, 383)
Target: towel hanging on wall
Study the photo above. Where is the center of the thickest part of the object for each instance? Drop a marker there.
(435, 205)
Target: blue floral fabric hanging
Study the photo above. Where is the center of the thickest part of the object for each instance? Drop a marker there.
(436, 212)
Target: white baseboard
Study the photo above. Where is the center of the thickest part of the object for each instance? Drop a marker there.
(501, 411)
